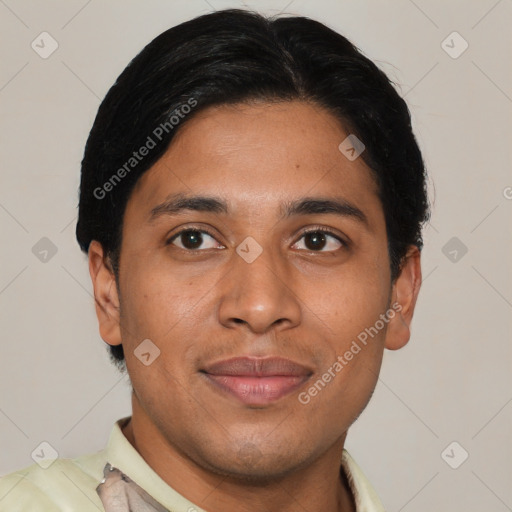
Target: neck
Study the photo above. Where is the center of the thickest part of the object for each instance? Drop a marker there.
(319, 486)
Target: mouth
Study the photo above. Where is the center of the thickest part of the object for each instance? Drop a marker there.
(257, 381)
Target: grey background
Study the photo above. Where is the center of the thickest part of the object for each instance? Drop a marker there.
(452, 382)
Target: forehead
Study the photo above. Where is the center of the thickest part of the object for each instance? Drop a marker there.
(258, 155)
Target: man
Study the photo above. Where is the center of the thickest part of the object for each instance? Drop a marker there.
(251, 202)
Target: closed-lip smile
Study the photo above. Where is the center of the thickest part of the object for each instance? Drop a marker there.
(256, 380)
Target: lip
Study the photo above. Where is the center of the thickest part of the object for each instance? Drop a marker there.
(257, 381)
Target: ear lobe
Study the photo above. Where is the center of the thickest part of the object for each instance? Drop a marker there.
(403, 299)
(105, 294)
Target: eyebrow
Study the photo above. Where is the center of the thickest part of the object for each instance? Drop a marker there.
(176, 203)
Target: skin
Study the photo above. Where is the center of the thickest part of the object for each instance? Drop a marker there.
(208, 304)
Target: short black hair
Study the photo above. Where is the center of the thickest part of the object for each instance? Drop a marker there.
(235, 56)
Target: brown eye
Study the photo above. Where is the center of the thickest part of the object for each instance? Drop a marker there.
(317, 240)
(193, 239)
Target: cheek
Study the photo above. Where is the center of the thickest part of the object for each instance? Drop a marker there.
(349, 303)
(359, 347)
(172, 311)
(350, 310)
(156, 301)
(345, 383)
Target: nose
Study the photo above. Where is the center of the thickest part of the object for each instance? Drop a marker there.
(260, 295)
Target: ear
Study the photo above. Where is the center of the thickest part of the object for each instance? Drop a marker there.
(105, 294)
(403, 300)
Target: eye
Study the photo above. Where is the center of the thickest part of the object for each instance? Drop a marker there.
(317, 239)
(192, 239)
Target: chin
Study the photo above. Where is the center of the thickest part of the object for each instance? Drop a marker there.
(253, 463)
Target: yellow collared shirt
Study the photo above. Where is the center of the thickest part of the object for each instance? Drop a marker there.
(71, 484)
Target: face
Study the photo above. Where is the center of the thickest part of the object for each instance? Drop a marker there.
(257, 299)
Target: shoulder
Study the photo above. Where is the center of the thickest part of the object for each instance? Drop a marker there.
(67, 484)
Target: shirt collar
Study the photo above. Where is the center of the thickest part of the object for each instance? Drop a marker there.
(365, 497)
(123, 456)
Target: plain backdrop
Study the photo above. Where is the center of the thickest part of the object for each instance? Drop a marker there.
(451, 383)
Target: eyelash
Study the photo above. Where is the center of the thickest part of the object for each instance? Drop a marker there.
(210, 233)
